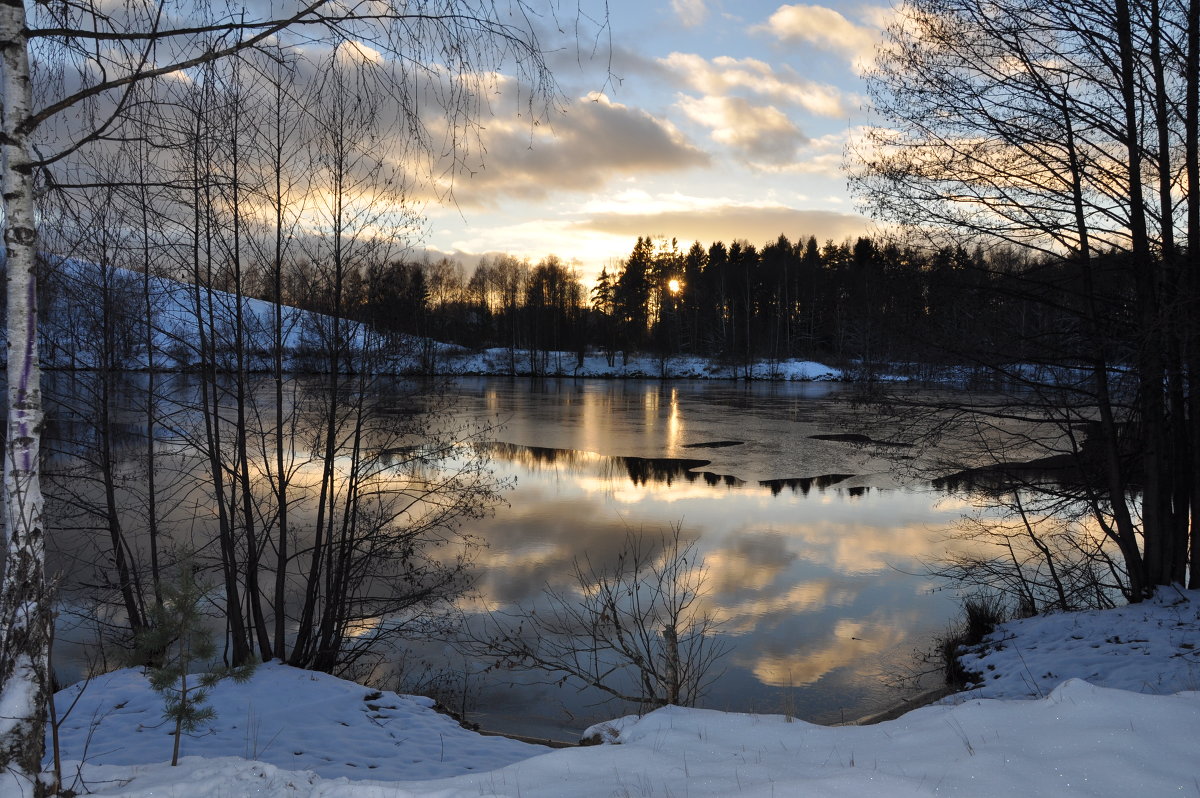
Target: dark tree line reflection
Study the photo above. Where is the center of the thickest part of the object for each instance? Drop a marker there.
(643, 471)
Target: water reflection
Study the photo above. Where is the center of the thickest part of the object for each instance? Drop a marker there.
(642, 471)
(803, 485)
(666, 471)
(812, 547)
(814, 577)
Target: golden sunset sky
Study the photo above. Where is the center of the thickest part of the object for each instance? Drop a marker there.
(717, 120)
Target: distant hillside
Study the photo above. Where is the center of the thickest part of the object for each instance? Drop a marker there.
(90, 316)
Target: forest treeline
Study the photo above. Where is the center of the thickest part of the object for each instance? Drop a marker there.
(870, 301)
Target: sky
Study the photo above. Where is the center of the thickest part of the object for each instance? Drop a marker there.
(721, 120)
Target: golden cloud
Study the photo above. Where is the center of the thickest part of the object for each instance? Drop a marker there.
(725, 75)
(823, 27)
(757, 132)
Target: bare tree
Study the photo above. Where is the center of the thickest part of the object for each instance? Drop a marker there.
(280, 138)
(636, 630)
(1062, 128)
(96, 321)
(1037, 556)
(90, 61)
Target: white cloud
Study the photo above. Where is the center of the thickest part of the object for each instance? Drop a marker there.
(827, 29)
(691, 13)
(824, 156)
(744, 104)
(353, 52)
(724, 75)
(758, 133)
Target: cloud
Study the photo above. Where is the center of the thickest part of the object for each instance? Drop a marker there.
(752, 560)
(769, 605)
(824, 156)
(725, 76)
(827, 29)
(744, 104)
(352, 53)
(690, 12)
(758, 133)
(850, 644)
(628, 62)
(758, 224)
(594, 141)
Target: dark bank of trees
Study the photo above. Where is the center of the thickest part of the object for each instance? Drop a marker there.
(871, 302)
(1070, 130)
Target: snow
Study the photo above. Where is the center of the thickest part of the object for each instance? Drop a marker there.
(567, 364)
(293, 733)
(1151, 647)
(290, 718)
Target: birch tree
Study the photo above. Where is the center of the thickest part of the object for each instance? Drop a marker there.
(24, 604)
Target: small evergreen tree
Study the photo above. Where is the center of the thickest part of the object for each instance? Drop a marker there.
(631, 295)
(603, 298)
(177, 641)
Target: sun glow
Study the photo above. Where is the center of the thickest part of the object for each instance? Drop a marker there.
(673, 286)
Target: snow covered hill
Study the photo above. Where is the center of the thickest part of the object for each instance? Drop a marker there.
(72, 337)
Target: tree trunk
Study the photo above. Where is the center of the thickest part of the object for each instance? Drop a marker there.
(1155, 513)
(1191, 278)
(24, 606)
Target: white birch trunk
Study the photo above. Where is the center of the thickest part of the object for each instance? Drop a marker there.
(24, 606)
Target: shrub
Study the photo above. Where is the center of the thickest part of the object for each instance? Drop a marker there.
(981, 613)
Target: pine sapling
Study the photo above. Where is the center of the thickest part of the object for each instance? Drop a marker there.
(177, 642)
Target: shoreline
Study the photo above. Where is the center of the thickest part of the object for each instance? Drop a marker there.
(903, 707)
(899, 709)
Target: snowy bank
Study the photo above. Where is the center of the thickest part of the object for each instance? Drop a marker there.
(1081, 738)
(1151, 647)
(290, 718)
(293, 733)
(503, 362)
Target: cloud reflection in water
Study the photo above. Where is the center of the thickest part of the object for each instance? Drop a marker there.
(813, 578)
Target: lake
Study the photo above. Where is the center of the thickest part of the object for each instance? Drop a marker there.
(813, 545)
(814, 548)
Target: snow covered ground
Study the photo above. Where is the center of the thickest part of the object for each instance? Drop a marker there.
(293, 733)
(566, 364)
(1152, 647)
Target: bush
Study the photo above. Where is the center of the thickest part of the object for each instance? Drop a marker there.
(981, 614)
